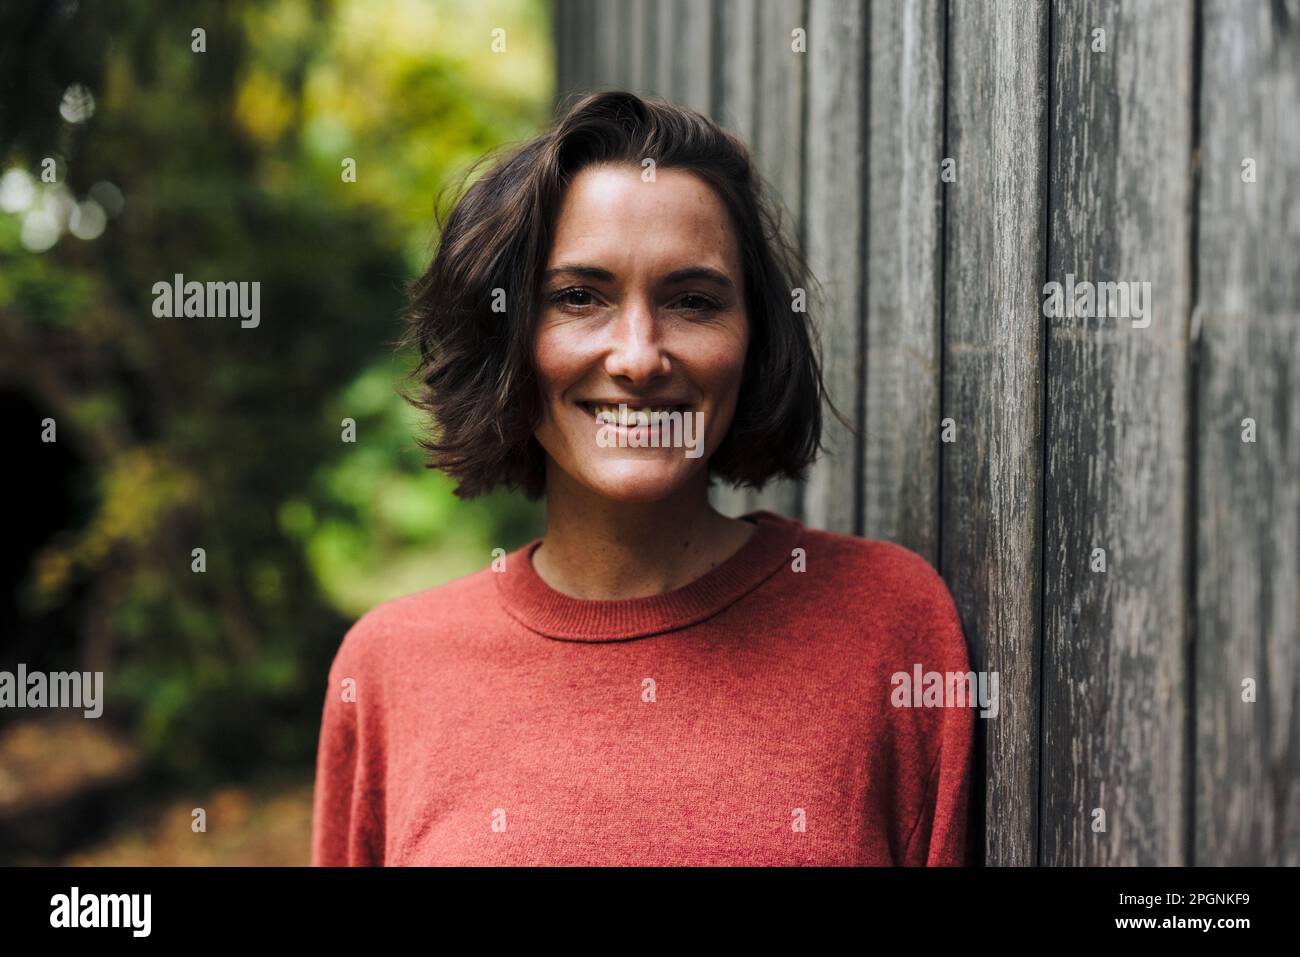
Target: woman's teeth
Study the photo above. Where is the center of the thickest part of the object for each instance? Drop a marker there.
(626, 416)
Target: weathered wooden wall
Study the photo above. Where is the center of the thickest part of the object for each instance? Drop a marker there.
(1171, 156)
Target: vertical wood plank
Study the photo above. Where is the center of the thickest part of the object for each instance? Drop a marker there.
(1250, 93)
(782, 85)
(1115, 636)
(641, 57)
(627, 41)
(904, 275)
(589, 47)
(692, 63)
(1247, 785)
(562, 41)
(665, 29)
(779, 147)
(684, 52)
(1248, 752)
(736, 107)
(992, 388)
(834, 186)
(581, 47)
(607, 30)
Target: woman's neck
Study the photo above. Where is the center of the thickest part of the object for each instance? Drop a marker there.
(599, 549)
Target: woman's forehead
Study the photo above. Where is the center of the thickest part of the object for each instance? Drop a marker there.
(613, 217)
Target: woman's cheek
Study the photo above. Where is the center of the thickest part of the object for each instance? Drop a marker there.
(723, 367)
(549, 355)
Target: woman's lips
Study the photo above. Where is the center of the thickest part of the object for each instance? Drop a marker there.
(681, 427)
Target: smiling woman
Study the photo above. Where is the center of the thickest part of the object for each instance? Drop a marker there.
(630, 209)
(651, 682)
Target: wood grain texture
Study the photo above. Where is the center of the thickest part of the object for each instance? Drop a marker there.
(562, 39)
(760, 95)
(659, 82)
(642, 39)
(691, 82)
(1250, 98)
(834, 235)
(736, 68)
(629, 25)
(1247, 760)
(904, 275)
(1248, 753)
(584, 65)
(1115, 641)
(736, 108)
(607, 33)
(576, 19)
(1119, 690)
(779, 152)
(992, 389)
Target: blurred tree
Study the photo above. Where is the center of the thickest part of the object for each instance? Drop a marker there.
(227, 165)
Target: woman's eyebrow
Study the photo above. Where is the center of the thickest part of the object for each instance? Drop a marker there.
(575, 269)
(701, 273)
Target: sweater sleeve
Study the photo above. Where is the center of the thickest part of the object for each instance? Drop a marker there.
(347, 811)
(939, 837)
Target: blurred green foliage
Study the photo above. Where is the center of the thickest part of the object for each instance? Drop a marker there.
(199, 433)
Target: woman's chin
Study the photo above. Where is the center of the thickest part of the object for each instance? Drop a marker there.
(635, 480)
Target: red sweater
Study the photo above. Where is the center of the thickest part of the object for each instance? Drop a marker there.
(744, 718)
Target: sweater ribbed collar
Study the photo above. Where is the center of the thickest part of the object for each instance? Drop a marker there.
(540, 608)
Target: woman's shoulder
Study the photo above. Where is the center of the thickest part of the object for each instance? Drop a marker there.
(883, 583)
(886, 563)
(853, 564)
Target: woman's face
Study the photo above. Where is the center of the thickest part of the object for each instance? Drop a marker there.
(642, 305)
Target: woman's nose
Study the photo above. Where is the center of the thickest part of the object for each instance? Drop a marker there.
(636, 352)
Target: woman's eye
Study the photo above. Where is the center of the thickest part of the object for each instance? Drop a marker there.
(572, 297)
(692, 302)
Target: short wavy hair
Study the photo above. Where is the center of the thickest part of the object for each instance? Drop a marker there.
(474, 371)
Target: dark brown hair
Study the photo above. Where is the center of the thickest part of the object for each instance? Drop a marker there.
(474, 365)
